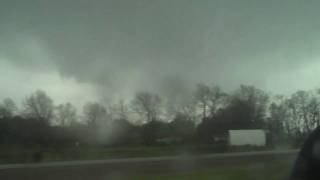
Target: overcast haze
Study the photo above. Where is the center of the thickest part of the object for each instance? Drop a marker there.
(85, 50)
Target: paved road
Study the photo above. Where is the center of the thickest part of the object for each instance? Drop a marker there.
(116, 169)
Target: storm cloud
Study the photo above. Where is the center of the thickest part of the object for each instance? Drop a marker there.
(113, 48)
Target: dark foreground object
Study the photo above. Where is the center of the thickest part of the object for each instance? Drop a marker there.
(122, 169)
(307, 165)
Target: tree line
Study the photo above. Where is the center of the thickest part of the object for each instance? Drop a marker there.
(149, 120)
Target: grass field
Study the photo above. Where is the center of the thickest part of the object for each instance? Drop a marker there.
(276, 170)
(253, 167)
(9, 154)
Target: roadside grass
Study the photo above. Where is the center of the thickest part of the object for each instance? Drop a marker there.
(276, 170)
(16, 154)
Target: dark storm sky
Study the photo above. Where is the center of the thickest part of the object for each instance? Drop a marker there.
(78, 50)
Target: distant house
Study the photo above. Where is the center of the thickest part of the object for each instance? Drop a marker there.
(254, 137)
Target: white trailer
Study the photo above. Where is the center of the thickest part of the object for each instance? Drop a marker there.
(254, 137)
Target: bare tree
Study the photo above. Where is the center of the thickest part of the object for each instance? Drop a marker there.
(209, 99)
(187, 109)
(202, 97)
(304, 110)
(39, 106)
(217, 100)
(314, 109)
(277, 122)
(65, 114)
(256, 99)
(121, 110)
(98, 120)
(7, 108)
(147, 105)
(95, 113)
